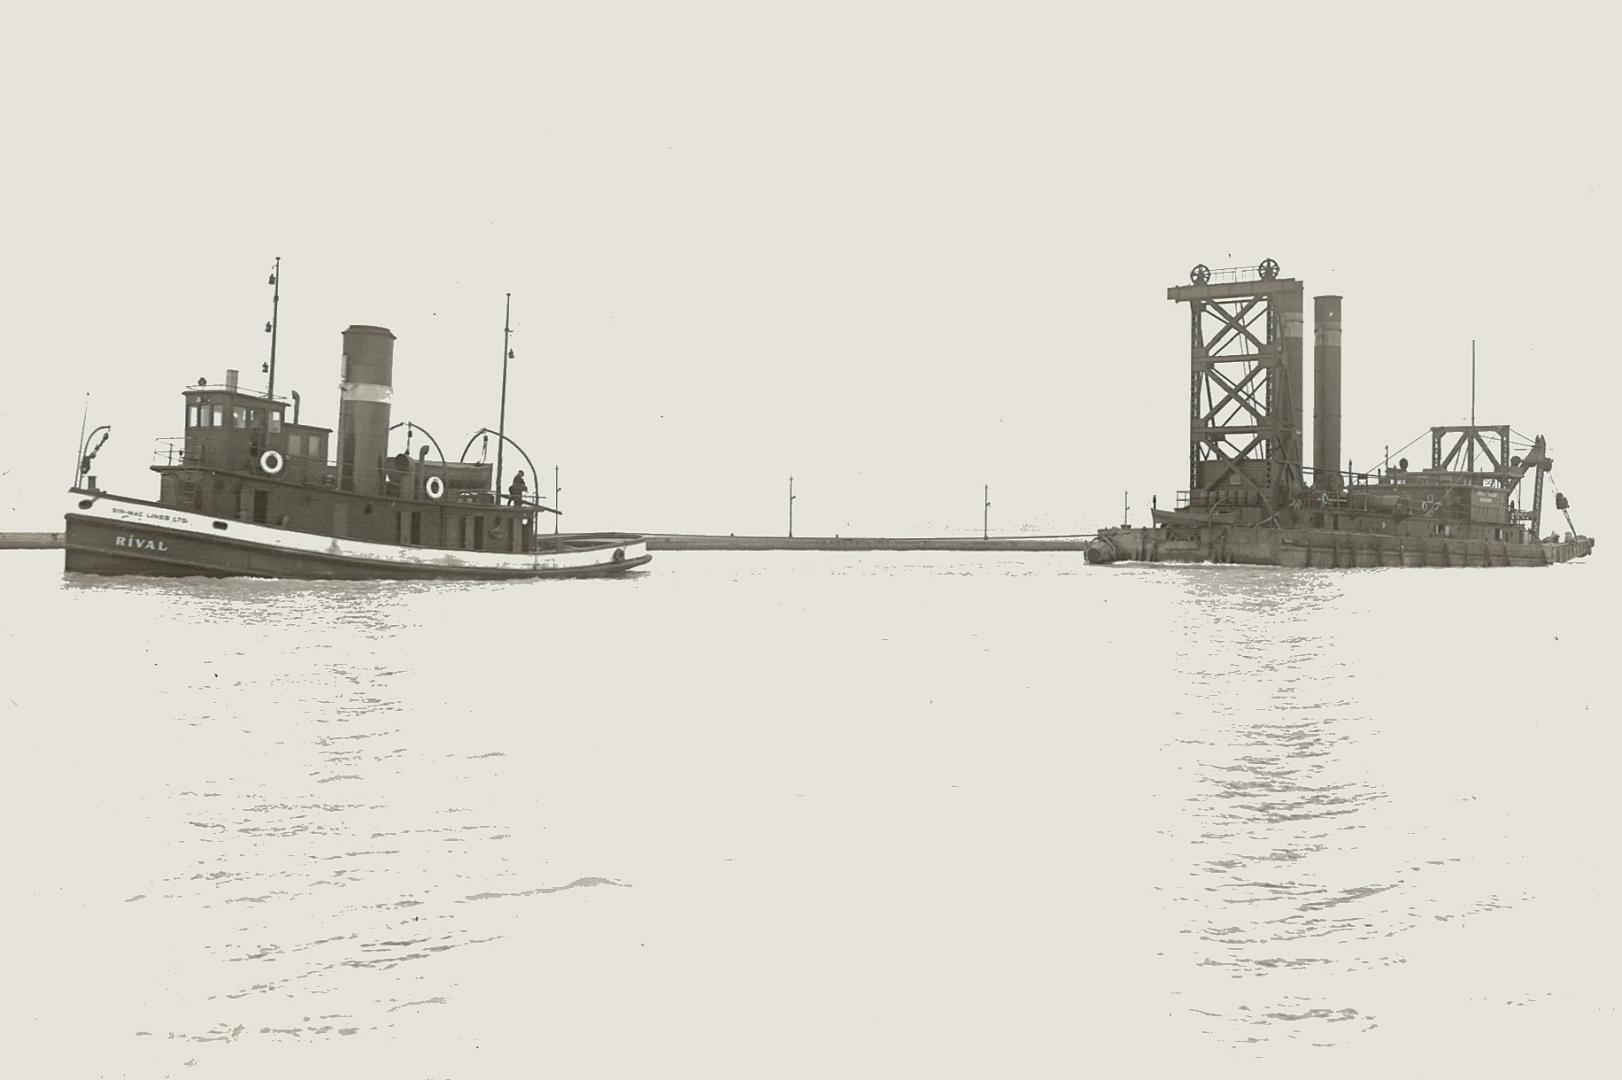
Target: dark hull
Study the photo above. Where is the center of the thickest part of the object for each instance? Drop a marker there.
(97, 546)
(1305, 548)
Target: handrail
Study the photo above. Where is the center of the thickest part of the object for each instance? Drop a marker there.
(496, 499)
(222, 388)
(1264, 271)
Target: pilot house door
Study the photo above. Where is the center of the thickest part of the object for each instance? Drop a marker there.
(254, 505)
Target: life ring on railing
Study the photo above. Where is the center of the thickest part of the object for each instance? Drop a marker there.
(435, 487)
(271, 462)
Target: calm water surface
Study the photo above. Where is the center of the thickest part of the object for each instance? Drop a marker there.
(804, 814)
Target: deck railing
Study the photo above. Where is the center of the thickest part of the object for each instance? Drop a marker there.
(171, 451)
(227, 388)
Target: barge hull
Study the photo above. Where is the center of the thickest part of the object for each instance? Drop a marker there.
(1312, 548)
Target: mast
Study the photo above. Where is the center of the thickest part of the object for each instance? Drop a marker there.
(501, 426)
(275, 311)
(1470, 448)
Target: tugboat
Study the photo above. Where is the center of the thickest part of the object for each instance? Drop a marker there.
(248, 491)
(1251, 499)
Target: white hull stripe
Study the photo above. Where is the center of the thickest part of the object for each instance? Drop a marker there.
(365, 391)
(110, 508)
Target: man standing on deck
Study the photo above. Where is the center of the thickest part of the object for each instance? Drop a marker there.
(515, 491)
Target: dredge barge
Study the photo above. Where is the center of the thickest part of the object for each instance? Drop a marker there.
(1251, 499)
(250, 491)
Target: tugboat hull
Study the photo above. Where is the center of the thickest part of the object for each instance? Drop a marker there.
(110, 535)
(1303, 548)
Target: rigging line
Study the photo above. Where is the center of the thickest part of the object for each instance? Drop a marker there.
(1548, 447)
(1407, 444)
(1399, 449)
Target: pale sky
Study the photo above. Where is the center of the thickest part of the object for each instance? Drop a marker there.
(898, 251)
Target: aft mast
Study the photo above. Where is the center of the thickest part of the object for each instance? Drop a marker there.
(501, 421)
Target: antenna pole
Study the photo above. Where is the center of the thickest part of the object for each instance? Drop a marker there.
(557, 503)
(501, 424)
(985, 513)
(1470, 449)
(791, 507)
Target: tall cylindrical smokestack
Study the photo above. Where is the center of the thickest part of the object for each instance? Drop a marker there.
(1288, 406)
(363, 408)
(1326, 392)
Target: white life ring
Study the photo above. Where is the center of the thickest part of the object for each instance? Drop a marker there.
(435, 487)
(271, 462)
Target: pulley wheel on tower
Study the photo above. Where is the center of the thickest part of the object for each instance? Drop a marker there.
(1268, 270)
(1200, 275)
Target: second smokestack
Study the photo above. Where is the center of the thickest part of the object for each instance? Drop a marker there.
(1326, 392)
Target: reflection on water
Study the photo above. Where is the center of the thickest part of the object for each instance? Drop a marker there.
(973, 816)
(1306, 879)
(1275, 808)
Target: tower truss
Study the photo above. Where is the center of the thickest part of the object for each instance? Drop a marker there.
(1245, 386)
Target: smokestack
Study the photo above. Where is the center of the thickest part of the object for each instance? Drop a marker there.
(363, 408)
(1289, 406)
(231, 379)
(1326, 392)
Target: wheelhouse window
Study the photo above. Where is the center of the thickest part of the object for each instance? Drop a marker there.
(191, 415)
(219, 416)
(276, 420)
(239, 416)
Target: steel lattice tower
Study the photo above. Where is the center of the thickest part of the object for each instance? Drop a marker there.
(1245, 386)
